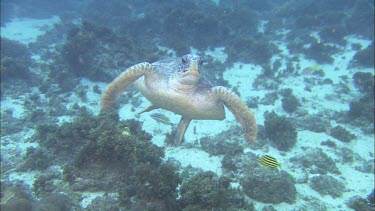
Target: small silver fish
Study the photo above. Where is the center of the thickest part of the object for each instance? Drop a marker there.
(161, 118)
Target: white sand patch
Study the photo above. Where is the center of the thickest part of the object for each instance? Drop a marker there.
(262, 26)
(196, 158)
(26, 30)
(200, 128)
(358, 183)
(363, 145)
(15, 105)
(321, 97)
(242, 76)
(216, 2)
(127, 111)
(218, 54)
(27, 178)
(89, 196)
(169, 51)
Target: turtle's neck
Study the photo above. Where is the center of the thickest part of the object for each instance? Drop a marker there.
(181, 87)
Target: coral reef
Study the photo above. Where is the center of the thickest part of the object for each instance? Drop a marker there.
(280, 131)
(226, 142)
(364, 81)
(249, 50)
(155, 185)
(15, 197)
(327, 185)
(316, 161)
(342, 134)
(267, 185)
(15, 60)
(67, 140)
(207, 191)
(57, 201)
(360, 18)
(365, 57)
(35, 159)
(101, 153)
(315, 123)
(107, 202)
(361, 110)
(290, 103)
(42, 87)
(371, 198)
(320, 53)
(9, 124)
(359, 204)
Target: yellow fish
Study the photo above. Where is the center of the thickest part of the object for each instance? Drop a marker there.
(269, 162)
(310, 70)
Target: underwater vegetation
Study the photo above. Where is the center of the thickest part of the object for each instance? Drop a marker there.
(259, 182)
(109, 155)
(15, 60)
(207, 191)
(341, 134)
(280, 131)
(290, 103)
(316, 162)
(365, 57)
(358, 203)
(361, 110)
(96, 52)
(226, 142)
(103, 154)
(327, 185)
(267, 185)
(15, 197)
(35, 159)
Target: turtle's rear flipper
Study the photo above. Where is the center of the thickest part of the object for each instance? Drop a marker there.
(181, 129)
(126, 78)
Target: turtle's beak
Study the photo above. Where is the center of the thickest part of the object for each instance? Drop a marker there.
(194, 67)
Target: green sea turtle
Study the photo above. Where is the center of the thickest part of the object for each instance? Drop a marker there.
(178, 85)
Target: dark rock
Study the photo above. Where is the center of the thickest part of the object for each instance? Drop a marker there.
(365, 57)
(269, 185)
(327, 185)
(342, 134)
(226, 142)
(280, 131)
(317, 161)
(359, 204)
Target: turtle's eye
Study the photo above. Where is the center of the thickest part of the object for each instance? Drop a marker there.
(184, 60)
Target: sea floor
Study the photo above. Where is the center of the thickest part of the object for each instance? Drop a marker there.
(321, 98)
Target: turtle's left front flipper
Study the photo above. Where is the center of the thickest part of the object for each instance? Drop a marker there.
(240, 111)
(115, 88)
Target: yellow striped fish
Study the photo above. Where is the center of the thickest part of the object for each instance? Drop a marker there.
(269, 162)
(310, 70)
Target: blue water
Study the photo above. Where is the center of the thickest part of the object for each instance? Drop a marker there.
(303, 72)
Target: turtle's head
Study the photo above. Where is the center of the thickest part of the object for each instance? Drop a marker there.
(190, 69)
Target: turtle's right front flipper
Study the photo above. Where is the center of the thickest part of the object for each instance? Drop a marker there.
(126, 78)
